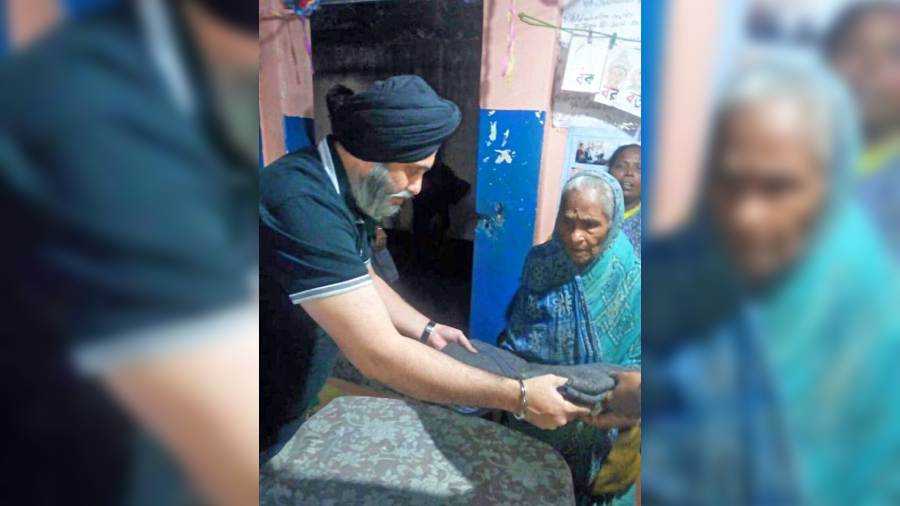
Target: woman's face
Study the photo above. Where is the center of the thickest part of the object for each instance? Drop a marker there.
(869, 59)
(582, 225)
(767, 187)
(627, 170)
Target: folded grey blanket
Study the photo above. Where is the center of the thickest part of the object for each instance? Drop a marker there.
(589, 384)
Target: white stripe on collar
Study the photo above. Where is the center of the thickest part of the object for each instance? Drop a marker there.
(159, 34)
(328, 163)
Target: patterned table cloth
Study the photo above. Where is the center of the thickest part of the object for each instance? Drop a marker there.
(374, 451)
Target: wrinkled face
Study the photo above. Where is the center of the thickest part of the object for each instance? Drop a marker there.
(582, 225)
(767, 187)
(383, 188)
(869, 59)
(627, 170)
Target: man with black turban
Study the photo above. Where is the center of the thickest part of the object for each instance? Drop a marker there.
(318, 291)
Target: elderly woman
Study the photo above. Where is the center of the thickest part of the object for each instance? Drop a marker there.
(625, 166)
(778, 385)
(580, 302)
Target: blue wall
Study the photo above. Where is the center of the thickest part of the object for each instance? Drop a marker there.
(509, 164)
(652, 36)
(298, 133)
(76, 7)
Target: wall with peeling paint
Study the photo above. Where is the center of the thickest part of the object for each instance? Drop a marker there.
(509, 168)
(518, 188)
(285, 81)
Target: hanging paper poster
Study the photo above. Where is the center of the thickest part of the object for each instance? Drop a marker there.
(621, 80)
(579, 96)
(603, 16)
(584, 65)
(591, 148)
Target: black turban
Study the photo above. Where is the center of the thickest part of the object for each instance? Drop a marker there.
(400, 119)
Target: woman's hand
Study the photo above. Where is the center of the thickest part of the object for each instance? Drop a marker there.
(547, 408)
(442, 335)
(610, 421)
(625, 399)
(623, 406)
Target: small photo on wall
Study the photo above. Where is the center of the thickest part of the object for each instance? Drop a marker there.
(591, 148)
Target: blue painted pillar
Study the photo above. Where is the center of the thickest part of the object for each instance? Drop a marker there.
(509, 165)
(299, 133)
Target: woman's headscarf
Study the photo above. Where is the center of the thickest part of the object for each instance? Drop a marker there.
(782, 400)
(565, 315)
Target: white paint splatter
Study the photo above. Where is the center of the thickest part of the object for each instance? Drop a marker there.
(505, 138)
(537, 114)
(486, 159)
(503, 156)
(492, 112)
(493, 135)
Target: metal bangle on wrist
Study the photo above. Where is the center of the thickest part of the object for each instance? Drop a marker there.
(427, 332)
(523, 401)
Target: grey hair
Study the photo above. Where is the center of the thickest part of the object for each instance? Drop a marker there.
(772, 82)
(587, 181)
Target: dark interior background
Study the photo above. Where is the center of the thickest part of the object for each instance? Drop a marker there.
(357, 43)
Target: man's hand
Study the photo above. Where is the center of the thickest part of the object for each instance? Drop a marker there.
(442, 335)
(547, 408)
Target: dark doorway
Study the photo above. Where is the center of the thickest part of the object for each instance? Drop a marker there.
(358, 42)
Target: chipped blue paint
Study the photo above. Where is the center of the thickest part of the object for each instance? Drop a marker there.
(298, 133)
(506, 203)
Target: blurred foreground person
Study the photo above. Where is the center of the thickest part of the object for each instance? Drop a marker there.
(128, 153)
(776, 384)
(864, 47)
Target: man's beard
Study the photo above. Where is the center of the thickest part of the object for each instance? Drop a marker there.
(374, 192)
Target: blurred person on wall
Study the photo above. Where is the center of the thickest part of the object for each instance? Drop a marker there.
(318, 291)
(580, 303)
(625, 166)
(128, 146)
(864, 47)
(774, 385)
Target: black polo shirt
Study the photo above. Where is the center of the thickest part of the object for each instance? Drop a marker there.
(313, 244)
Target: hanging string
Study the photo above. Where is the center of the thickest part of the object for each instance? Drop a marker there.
(303, 8)
(510, 61)
(307, 42)
(575, 32)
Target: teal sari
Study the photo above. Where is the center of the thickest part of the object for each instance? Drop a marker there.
(804, 407)
(566, 316)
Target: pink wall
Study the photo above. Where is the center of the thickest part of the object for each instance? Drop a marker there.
(528, 87)
(28, 19)
(285, 74)
(684, 115)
